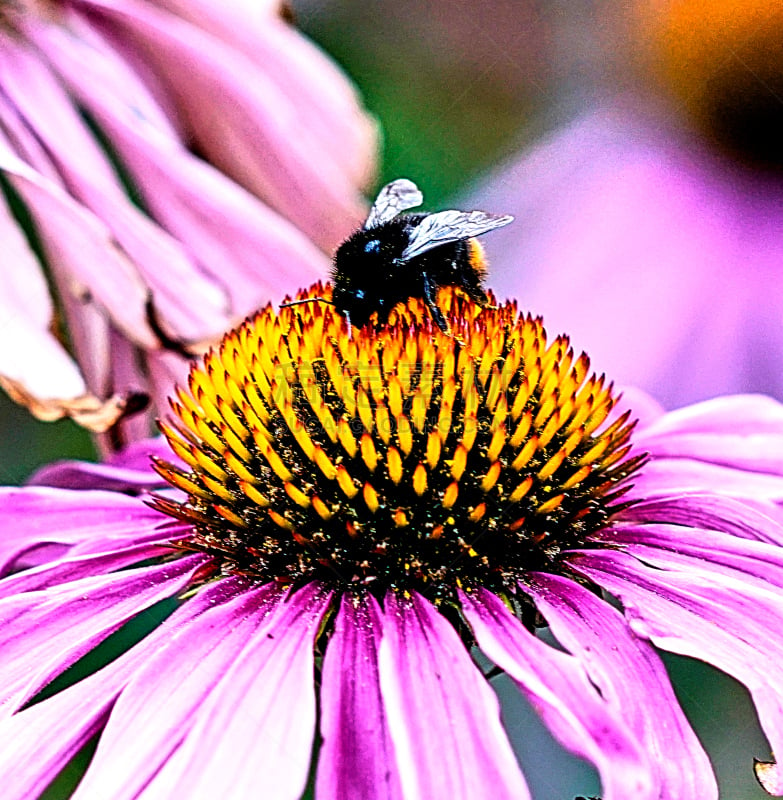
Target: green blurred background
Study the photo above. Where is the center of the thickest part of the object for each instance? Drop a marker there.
(456, 87)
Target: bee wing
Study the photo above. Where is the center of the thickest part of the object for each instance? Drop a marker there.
(396, 196)
(451, 226)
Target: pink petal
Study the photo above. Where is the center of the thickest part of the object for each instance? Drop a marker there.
(75, 567)
(30, 88)
(356, 758)
(693, 549)
(238, 118)
(558, 687)
(197, 304)
(156, 709)
(129, 470)
(29, 353)
(326, 101)
(248, 249)
(631, 679)
(671, 476)
(443, 717)
(253, 735)
(88, 475)
(36, 743)
(34, 516)
(75, 241)
(722, 621)
(42, 633)
(742, 431)
(716, 512)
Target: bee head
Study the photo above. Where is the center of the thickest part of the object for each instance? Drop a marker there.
(364, 264)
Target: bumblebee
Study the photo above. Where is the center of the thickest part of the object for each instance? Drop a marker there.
(396, 256)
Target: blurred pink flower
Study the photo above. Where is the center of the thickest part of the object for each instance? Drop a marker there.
(662, 258)
(174, 166)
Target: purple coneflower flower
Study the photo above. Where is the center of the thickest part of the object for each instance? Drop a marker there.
(348, 514)
(653, 220)
(180, 164)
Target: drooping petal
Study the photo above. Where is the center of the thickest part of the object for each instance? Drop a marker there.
(724, 621)
(769, 775)
(254, 733)
(232, 112)
(356, 758)
(156, 709)
(34, 516)
(326, 101)
(75, 241)
(443, 716)
(249, 250)
(51, 629)
(35, 369)
(29, 353)
(631, 679)
(36, 743)
(559, 689)
(194, 305)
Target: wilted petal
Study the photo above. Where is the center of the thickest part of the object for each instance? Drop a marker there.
(443, 716)
(727, 622)
(559, 689)
(36, 743)
(632, 680)
(194, 305)
(31, 358)
(75, 241)
(251, 252)
(356, 758)
(156, 709)
(327, 103)
(51, 629)
(769, 775)
(254, 733)
(233, 111)
(30, 89)
(35, 369)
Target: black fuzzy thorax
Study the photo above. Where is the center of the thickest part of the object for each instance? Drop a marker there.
(369, 273)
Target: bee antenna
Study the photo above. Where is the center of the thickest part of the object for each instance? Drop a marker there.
(306, 300)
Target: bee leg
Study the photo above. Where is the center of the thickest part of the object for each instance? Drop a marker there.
(430, 292)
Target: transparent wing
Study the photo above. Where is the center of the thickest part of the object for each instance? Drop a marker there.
(396, 196)
(450, 226)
